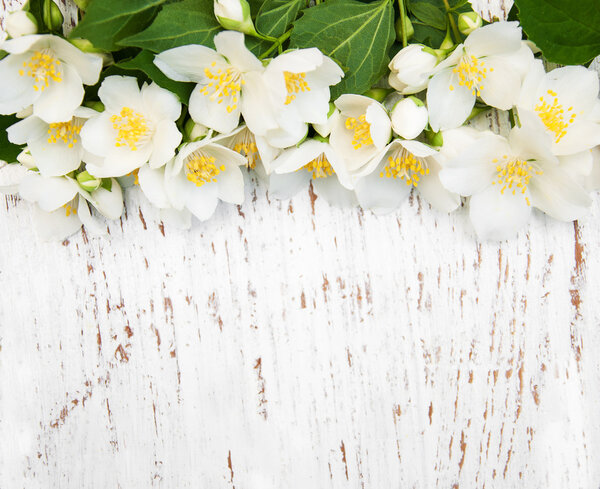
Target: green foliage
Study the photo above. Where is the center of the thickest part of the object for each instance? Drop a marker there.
(144, 63)
(8, 150)
(356, 34)
(567, 31)
(178, 24)
(276, 16)
(107, 21)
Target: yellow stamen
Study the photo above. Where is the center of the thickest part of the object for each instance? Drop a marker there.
(470, 73)
(244, 143)
(320, 167)
(225, 84)
(66, 132)
(201, 169)
(362, 131)
(294, 83)
(554, 116)
(43, 67)
(131, 127)
(406, 166)
(514, 175)
(70, 209)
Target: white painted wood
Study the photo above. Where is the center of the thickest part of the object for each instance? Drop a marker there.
(296, 345)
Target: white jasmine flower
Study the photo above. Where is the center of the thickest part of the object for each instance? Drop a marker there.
(490, 64)
(203, 173)
(234, 15)
(389, 177)
(566, 101)
(409, 117)
(298, 83)
(48, 72)
(56, 147)
(507, 177)
(136, 127)
(361, 131)
(62, 206)
(258, 152)
(411, 68)
(20, 23)
(313, 160)
(229, 83)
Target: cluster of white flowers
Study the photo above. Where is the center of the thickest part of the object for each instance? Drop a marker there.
(275, 118)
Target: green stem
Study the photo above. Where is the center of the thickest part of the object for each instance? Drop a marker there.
(277, 44)
(402, 9)
(457, 37)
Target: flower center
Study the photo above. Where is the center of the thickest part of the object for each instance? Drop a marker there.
(70, 208)
(320, 167)
(201, 169)
(42, 67)
(223, 84)
(66, 132)
(470, 73)
(362, 131)
(554, 117)
(131, 126)
(406, 166)
(514, 174)
(245, 144)
(294, 83)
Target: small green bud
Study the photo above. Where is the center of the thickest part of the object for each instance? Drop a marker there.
(53, 18)
(97, 106)
(410, 30)
(435, 138)
(378, 94)
(234, 15)
(194, 131)
(85, 45)
(468, 22)
(88, 182)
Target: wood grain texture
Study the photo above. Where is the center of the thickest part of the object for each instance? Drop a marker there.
(298, 345)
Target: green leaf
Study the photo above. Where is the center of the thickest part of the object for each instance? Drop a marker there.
(429, 14)
(178, 24)
(8, 150)
(427, 35)
(276, 16)
(567, 31)
(107, 21)
(144, 62)
(356, 34)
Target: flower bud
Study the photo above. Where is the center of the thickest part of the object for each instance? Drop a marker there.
(411, 68)
(52, 16)
(234, 15)
(468, 22)
(409, 117)
(410, 30)
(20, 23)
(194, 131)
(88, 182)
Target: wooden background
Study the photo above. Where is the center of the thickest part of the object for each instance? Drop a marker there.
(297, 345)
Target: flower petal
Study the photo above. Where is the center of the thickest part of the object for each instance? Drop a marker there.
(159, 103)
(28, 129)
(231, 185)
(213, 114)
(117, 92)
(16, 91)
(98, 135)
(49, 193)
(431, 188)
(501, 86)
(87, 65)
(231, 45)
(187, 63)
(330, 190)
(408, 119)
(164, 142)
(202, 201)
(448, 108)
(55, 159)
(55, 225)
(495, 38)
(58, 101)
(109, 203)
(498, 216)
(152, 183)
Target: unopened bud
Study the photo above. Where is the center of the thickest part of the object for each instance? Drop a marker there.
(409, 117)
(234, 15)
(52, 16)
(468, 22)
(88, 182)
(21, 23)
(194, 131)
(410, 30)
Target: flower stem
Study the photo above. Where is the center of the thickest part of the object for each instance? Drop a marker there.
(276, 44)
(457, 37)
(402, 9)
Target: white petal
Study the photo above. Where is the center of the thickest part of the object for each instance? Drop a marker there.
(293, 159)
(353, 104)
(55, 159)
(117, 92)
(187, 63)
(285, 137)
(16, 91)
(448, 108)
(87, 65)
(91, 223)
(495, 38)
(56, 225)
(531, 87)
(381, 195)
(28, 129)
(164, 142)
(121, 161)
(581, 135)
(58, 101)
(98, 135)
(498, 216)
(330, 190)
(575, 87)
(202, 201)
(231, 185)
(152, 183)
(49, 193)
(109, 204)
(501, 86)
(557, 194)
(256, 107)
(381, 126)
(231, 45)
(25, 43)
(434, 192)
(409, 119)
(531, 140)
(417, 148)
(285, 186)
(212, 114)
(160, 104)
